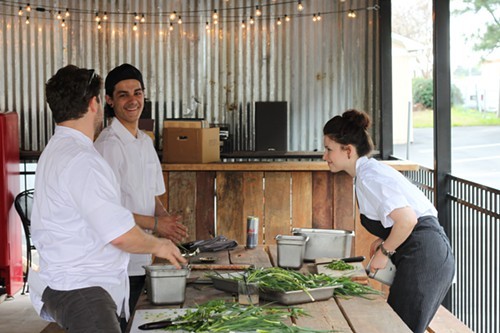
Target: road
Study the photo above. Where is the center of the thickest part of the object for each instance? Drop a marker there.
(475, 152)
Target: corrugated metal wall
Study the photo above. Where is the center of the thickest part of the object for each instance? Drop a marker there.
(320, 68)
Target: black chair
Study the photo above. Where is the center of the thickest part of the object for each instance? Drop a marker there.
(24, 205)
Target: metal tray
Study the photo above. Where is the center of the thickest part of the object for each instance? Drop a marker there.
(225, 282)
(298, 296)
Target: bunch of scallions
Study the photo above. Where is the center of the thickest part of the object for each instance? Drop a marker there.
(221, 316)
(283, 280)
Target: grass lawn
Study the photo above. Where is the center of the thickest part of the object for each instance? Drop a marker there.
(459, 117)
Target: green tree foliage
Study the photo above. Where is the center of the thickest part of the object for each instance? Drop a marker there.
(423, 93)
(488, 40)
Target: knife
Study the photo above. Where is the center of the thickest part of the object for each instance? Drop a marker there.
(346, 260)
(161, 324)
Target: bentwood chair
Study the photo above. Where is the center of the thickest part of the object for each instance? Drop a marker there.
(24, 205)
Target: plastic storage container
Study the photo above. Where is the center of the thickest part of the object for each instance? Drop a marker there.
(291, 250)
(165, 284)
(326, 243)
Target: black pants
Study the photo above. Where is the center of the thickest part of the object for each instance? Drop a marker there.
(136, 289)
(86, 310)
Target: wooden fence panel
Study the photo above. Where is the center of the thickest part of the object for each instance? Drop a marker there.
(302, 199)
(205, 204)
(276, 205)
(230, 206)
(322, 200)
(181, 197)
(253, 201)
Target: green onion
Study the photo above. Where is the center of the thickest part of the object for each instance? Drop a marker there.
(223, 317)
(339, 265)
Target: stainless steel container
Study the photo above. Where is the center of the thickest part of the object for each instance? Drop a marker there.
(291, 250)
(165, 284)
(326, 243)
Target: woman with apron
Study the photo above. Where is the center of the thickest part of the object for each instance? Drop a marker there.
(400, 215)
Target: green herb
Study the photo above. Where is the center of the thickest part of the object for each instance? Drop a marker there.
(283, 280)
(352, 288)
(339, 265)
(221, 316)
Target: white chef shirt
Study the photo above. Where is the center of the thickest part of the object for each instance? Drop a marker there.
(76, 214)
(138, 170)
(380, 189)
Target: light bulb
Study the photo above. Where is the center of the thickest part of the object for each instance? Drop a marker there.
(215, 15)
(258, 12)
(300, 7)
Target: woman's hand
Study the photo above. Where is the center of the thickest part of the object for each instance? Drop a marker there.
(376, 243)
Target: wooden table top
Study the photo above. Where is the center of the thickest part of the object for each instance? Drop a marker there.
(350, 315)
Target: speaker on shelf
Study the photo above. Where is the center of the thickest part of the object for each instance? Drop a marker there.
(271, 126)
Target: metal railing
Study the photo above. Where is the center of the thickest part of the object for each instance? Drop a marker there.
(475, 235)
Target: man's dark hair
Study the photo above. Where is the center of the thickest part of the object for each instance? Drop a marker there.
(69, 91)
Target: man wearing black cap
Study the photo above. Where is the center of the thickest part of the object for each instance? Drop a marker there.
(78, 225)
(132, 156)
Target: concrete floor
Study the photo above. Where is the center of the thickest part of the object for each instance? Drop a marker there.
(18, 316)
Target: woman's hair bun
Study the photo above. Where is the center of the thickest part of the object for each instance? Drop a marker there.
(357, 118)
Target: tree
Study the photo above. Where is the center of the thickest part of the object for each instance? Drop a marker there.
(413, 19)
(489, 39)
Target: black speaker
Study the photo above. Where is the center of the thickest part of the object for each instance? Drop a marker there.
(271, 126)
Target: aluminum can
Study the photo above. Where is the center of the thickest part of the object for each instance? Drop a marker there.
(252, 231)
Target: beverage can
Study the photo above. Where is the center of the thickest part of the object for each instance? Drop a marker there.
(252, 231)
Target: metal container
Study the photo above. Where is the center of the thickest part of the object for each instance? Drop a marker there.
(252, 231)
(165, 284)
(291, 250)
(326, 243)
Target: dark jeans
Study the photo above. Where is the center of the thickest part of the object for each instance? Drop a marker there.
(86, 310)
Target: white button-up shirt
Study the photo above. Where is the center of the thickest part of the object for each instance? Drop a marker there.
(380, 189)
(76, 214)
(138, 170)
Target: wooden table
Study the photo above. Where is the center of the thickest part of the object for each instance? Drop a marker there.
(350, 315)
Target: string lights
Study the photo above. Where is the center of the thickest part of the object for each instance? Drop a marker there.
(209, 16)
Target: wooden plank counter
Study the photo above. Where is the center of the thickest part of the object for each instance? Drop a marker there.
(349, 315)
(217, 198)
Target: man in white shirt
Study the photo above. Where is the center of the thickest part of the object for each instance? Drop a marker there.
(134, 160)
(81, 231)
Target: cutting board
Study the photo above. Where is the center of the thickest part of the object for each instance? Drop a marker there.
(357, 274)
(150, 315)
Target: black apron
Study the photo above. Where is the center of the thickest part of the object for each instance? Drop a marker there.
(425, 267)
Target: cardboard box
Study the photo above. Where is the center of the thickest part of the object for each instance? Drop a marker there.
(191, 145)
(186, 123)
